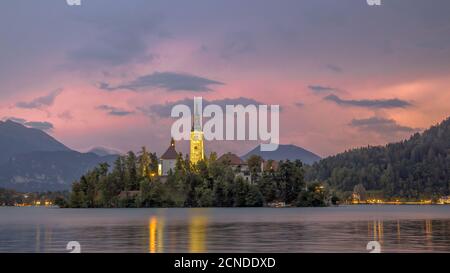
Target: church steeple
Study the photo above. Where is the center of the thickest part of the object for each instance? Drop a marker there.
(197, 149)
(197, 117)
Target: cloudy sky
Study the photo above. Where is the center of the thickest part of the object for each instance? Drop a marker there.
(345, 74)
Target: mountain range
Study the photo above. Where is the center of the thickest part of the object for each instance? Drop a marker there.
(31, 160)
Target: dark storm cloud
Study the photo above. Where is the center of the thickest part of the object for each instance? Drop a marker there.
(319, 88)
(379, 103)
(169, 81)
(40, 125)
(164, 110)
(39, 102)
(114, 111)
(111, 54)
(381, 126)
(334, 68)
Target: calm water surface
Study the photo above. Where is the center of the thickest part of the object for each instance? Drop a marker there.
(333, 229)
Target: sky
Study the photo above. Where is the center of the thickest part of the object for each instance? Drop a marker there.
(345, 74)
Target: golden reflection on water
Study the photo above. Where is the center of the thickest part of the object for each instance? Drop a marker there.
(197, 234)
(376, 230)
(155, 235)
(428, 227)
(429, 233)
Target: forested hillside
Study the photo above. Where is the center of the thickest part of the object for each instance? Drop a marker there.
(415, 168)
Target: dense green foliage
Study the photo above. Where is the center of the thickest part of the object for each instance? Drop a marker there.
(412, 169)
(132, 183)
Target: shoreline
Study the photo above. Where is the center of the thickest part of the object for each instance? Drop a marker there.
(264, 207)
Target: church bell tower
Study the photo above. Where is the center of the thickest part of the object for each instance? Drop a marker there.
(196, 141)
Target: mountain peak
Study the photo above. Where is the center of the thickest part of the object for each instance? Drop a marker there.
(284, 152)
(16, 139)
(104, 151)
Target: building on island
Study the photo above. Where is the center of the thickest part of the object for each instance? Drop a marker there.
(197, 152)
(239, 166)
(168, 160)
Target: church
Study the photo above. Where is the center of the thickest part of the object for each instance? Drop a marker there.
(168, 160)
(197, 151)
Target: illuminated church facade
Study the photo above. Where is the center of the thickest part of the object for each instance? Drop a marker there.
(168, 160)
(197, 151)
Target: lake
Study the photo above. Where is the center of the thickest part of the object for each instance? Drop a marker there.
(331, 229)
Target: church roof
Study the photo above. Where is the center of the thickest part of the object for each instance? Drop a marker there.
(171, 153)
(232, 159)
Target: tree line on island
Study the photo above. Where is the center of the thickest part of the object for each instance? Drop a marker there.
(133, 182)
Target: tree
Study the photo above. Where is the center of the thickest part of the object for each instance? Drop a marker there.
(315, 196)
(360, 192)
(241, 189)
(153, 163)
(220, 193)
(131, 177)
(254, 164)
(77, 196)
(268, 187)
(254, 197)
(204, 195)
(144, 162)
(291, 177)
(212, 158)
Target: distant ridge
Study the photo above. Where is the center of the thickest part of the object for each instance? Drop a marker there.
(285, 152)
(48, 171)
(103, 151)
(31, 160)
